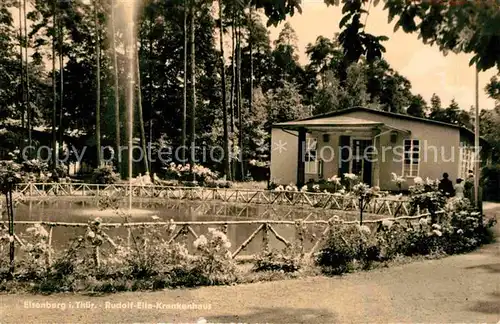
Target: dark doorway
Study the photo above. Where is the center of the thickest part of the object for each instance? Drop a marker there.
(362, 157)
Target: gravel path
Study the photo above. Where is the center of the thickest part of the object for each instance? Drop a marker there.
(463, 288)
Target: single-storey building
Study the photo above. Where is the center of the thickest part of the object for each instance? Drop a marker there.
(372, 144)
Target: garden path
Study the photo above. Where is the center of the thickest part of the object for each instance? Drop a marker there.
(461, 288)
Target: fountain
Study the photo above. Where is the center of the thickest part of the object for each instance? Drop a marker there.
(129, 10)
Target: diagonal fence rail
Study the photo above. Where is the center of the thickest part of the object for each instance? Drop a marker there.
(185, 231)
(51, 191)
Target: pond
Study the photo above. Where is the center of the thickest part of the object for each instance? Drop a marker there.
(81, 210)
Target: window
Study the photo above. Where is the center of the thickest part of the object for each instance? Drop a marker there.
(311, 161)
(466, 160)
(411, 162)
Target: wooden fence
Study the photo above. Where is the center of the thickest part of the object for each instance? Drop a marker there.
(185, 229)
(380, 206)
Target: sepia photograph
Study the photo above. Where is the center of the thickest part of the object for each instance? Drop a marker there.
(250, 161)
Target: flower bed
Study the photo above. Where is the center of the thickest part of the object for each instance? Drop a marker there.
(354, 247)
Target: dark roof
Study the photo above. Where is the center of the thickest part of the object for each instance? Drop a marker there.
(394, 115)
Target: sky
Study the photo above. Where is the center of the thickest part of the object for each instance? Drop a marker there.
(426, 67)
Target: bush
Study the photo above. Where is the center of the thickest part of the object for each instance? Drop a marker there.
(104, 175)
(219, 184)
(346, 248)
(427, 196)
(491, 183)
(149, 262)
(289, 260)
(350, 247)
(184, 173)
(34, 166)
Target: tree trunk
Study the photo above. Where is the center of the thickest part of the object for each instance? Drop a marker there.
(233, 87)
(250, 45)
(27, 93)
(184, 90)
(193, 88)
(227, 168)
(98, 88)
(117, 90)
(61, 75)
(28, 102)
(54, 90)
(150, 66)
(22, 106)
(139, 106)
(239, 99)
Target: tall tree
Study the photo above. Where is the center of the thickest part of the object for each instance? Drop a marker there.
(193, 86)
(227, 167)
(54, 89)
(98, 84)
(184, 88)
(285, 55)
(22, 88)
(239, 100)
(417, 107)
(116, 88)
(232, 106)
(60, 33)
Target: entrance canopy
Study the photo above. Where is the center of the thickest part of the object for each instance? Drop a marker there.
(339, 123)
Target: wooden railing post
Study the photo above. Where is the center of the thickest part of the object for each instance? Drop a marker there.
(49, 247)
(265, 237)
(299, 235)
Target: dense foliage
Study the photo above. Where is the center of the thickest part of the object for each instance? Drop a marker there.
(352, 247)
(264, 82)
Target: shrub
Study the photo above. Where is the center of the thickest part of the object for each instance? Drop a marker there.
(346, 248)
(149, 262)
(219, 184)
(426, 196)
(104, 175)
(491, 183)
(35, 166)
(462, 230)
(213, 260)
(185, 173)
(288, 260)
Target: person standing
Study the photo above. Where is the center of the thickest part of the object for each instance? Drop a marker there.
(459, 189)
(469, 186)
(446, 186)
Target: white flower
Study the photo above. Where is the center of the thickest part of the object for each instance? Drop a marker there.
(303, 189)
(460, 231)
(436, 226)
(423, 221)
(350, 176)
(11, 238)
(437, 233)
(316, 187)
(200, 241)
(364, 229)
(335, 179)
(387, 223)
(227, 245)
(90, 234)
(418, 180)
(397, 179)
